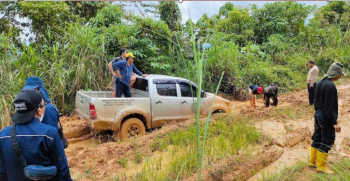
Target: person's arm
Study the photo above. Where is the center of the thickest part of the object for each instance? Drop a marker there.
(331, 94)
(134, 69)
(116, 67)
(3, 175)
(59, 158)
(110, 66)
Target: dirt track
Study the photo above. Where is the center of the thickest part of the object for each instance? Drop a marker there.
(290, 126)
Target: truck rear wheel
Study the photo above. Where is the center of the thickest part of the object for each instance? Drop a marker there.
(132, 127)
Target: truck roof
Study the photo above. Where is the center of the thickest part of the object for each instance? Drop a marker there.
(156, 76)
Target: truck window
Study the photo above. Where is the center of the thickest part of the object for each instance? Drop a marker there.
(186, 90)
(141, 84)
(166, 90)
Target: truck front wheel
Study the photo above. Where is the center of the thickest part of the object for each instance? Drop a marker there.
(132, 127)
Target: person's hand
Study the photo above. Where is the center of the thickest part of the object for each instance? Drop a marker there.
(133, 74)
(337, 128)
(144, 75)
(118, 74)
(114, 74)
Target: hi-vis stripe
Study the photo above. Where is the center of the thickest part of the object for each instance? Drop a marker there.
(26, 135)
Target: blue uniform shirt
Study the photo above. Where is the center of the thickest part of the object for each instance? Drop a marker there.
(125, 70)
(40, 144)
(51, 116)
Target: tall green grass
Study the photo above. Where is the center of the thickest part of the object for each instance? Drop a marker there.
(341, 170)
(178, 149)
(77, 61)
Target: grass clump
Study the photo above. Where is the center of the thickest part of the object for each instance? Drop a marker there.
(301, 171)
(123, 161)
(227, 136)
(287, 174)
(341, 171)
(137, 156)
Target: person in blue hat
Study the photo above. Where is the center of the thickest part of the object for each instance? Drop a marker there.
(51, 115)
(36, 144)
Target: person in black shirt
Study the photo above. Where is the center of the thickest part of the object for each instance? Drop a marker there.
(271, 92)
(326, 115)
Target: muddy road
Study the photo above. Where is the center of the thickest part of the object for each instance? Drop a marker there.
(289, 126)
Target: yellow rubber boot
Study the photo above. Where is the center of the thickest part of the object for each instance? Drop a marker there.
(321, 162)
(251, 100)
(313, 157)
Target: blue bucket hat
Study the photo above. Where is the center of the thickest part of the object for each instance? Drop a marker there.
(36, 82)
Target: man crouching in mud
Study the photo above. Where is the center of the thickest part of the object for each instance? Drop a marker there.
(326, 115)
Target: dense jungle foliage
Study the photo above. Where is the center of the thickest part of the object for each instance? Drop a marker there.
(74, 42)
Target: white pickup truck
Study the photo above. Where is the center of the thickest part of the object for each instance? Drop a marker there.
(158, 100)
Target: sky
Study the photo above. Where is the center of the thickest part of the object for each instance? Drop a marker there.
(197, 8)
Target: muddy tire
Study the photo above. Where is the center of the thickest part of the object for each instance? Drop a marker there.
(219, 111)
(131, 128)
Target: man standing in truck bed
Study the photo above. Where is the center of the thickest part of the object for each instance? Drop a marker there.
(122, 56)
(125, 68)
(326, 115)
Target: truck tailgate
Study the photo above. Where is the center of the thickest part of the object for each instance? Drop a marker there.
(106, 109)
(82, 105)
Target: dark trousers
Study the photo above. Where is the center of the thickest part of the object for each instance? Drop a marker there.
(267, 97)
(311, 93)
(122, 89)
(324, 134)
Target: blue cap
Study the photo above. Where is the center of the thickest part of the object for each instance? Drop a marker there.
(36, 82)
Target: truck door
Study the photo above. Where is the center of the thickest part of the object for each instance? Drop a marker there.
(188, 98)
(165, 101)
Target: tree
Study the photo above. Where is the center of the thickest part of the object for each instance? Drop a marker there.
(205, 27)
(143, 9)
(336, 13)
(285, 18)
(86, 9)
(238, 25)
(226, 9)
(8, 21)
(170, 13)
(107, 16)
(46, 16)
